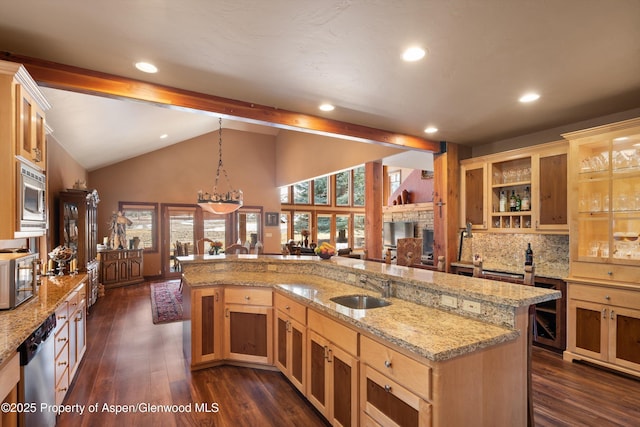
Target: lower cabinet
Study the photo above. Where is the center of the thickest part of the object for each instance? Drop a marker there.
(332, 369)
(9, 379)
(204, 307)
(248, 325)
(604, 326)
(291, 340)
(70, 339)
(121, 267)
(383, 401)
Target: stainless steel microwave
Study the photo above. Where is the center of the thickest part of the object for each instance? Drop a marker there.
(18, 279)
(32, 202)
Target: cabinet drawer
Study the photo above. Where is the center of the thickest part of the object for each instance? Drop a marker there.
(62, 363)
(62, 386)
(110, 256)
(294, 309)
(62, 314)
(248, 296)
(607, 272)
(61, 338)
(605, 295)
(410, 373)
(74, 301)
(335, 332)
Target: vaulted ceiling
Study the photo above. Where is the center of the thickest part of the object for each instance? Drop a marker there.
(581, 56)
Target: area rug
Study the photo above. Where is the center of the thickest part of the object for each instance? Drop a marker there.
(166, 301)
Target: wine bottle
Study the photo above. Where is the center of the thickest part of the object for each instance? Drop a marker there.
(503, 201)
(512, 201)
(518, 203)
(528, 255)
(526, 200)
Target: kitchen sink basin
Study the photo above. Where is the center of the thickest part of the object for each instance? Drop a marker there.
(361, 301)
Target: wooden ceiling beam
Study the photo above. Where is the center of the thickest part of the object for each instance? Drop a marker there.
(66, 77)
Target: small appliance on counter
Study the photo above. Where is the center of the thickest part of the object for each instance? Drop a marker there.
(18, 278)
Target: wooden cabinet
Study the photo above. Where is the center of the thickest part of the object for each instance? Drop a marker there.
(22, 139)
(248, 324)
(394, 389)
(121, 267)
(332, 370)
(474, 200)
(604, 326)
(9, 378)
(70, 339)
(204, 307)
(79, 231)
(605, 202)
(537, 174)
(290, 339)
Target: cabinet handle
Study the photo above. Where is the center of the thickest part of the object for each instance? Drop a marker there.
(217, 297)
(610, 273)
(607, 297)
(387, 363)
(611, 314)
(330, 358)
(62, 363)
(387, 388)
(604, 313)
(62, 389)
(62, 339)
(226, 312)
(286, 307)
(288, 326)
(326, 352)
(62, 317)
(246, 297)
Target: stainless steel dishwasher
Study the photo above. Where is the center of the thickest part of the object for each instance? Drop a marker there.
(37, 370)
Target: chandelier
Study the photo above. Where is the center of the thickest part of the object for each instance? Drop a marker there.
(220, 202)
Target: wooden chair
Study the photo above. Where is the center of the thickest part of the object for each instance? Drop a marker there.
(200, 249)
(236, 249)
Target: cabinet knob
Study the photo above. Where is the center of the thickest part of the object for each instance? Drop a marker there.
(286, 307)
(610, 273)
(607, 297)
(387, 363)
(387, 388)
(246, 297)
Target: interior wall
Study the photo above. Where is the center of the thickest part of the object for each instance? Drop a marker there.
(174, 174)
(300, 157)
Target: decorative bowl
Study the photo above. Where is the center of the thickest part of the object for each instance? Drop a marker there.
(324, 255)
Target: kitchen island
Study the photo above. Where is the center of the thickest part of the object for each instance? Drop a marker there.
(450, 349)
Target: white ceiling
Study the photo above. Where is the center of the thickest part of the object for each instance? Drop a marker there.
(582, 56)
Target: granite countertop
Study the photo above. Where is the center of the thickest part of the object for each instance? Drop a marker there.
(432, 333)
(542, 270)
(17, 324)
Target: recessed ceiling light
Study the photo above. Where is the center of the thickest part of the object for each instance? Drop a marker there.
(529, 97)
(327, 107)
(413, 54)
(164, 136)
(146, 67)
(431, 129)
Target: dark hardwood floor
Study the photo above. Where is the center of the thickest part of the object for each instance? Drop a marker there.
(131, 361)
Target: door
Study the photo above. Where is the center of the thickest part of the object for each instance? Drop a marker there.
(178, 225)
(206, 325)
(588, 322)
(248, 333)
(625, 327)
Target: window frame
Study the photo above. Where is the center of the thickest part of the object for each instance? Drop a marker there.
(127, 207)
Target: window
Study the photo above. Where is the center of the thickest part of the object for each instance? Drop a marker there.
(342, 231)
(324, 228)
(144, 218)
(394, 181)
(358, 186)
(284, 194)
(342, 188)
(301, 193)
(285, 220)
(301, 221)
(321, 191)
(215, 227)
(358, 231)
(250, 225)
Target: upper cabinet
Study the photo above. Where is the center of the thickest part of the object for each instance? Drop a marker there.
(22, 138)
(605, 201)
(522, 191)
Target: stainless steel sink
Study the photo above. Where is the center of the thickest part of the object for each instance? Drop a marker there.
(361, 301)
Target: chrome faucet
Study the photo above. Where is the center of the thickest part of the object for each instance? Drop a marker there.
(385, 286)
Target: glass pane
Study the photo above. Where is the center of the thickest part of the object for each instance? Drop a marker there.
(342, 188)
(342, 231)
(249, 227)
(284, 194)
(358, 231)
(301, 193)
(394, 181)
(144, 220)
(321, 191)
(285, 219)
(214, 229)
(301, 221)
(324, 228)
(181, 233)
(358, 186)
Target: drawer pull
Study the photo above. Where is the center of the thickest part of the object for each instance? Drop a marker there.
(62, 317)
(607, 297)
(62, 363)
(387, 388)
(246, 297)
(62, 339)
(387, 363)
(62, 389)
(610, 273)
(286, 307)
